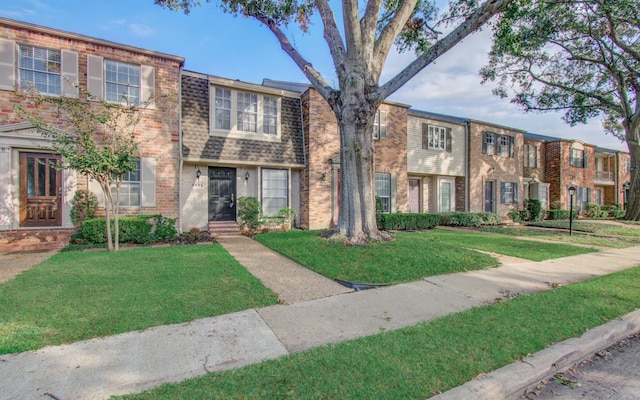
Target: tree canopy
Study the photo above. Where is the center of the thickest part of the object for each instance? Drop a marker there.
(581, 57)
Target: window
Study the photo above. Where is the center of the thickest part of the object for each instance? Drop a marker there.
(530, 156)
(599, 196)
(130, 194)
(509, 193)
(380, 126)
(383, 191)
(40, 68)
(122, 82)
(437, 137)
(275, 190)
(627, 165)
(245, 112)
(500, 145)
(223, 108)
(578, 158)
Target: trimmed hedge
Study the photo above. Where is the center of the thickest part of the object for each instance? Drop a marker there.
(409, 222)
(133, 229)
(560, 214)
(469, 219)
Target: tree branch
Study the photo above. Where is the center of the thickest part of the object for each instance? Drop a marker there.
(391, 31)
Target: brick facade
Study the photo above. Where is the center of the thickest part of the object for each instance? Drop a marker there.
(561, 174)
(319, 181)
(157, 132)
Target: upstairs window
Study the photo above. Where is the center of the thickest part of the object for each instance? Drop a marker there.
(578, 158)
(122, 82)
(437, 137)
(497, 145)
(380, 126)
(245, 112)
(531, 156)
(40, 68)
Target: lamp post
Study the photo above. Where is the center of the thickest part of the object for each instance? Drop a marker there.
(572, 191)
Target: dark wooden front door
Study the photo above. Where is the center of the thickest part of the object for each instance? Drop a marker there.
(40, 190)
(222, 194)
(489, 196)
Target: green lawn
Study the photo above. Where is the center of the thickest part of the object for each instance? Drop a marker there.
(80, 295)
(409, 257)
(618, 242)
(429, 358)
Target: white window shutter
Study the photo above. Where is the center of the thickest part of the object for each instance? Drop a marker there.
(69, 73)
(95, 187)
(95, 76)
(7, 64)
(148, 86)
(148, 184)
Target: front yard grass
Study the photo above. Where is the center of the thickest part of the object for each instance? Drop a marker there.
(80, 295)
(410, 256)
(429, 358)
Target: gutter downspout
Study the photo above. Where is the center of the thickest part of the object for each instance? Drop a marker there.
(466, 166)
(181, 156)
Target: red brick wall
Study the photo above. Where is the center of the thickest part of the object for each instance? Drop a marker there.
(158, 131)
(322, 142)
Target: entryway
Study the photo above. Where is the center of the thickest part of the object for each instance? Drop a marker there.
(40, 190)
(222, 194)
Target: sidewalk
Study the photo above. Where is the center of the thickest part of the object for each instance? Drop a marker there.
(135, 361)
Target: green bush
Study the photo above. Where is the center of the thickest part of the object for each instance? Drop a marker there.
(534, 209)
(139, 229)
(595, 211)
(249, 212)
(409, 221)
(489, 218)
(560, 214)
(555, 205)
(613, 210)
(458, 218)
(379, 212)
(84, 205)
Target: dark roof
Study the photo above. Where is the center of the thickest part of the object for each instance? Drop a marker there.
(543, 138)
(441, 117)
(604, 150)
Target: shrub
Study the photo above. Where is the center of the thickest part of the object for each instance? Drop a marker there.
(409, 221)
(560, 214)
(613, 210)
(489, 218)
(139, 229)
(555, 205)
(84, 205)
(534, 209)
(458, 218)
(595, 211)
(379, 212)
(249, 212)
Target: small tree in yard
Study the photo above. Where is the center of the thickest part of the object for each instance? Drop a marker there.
(359, 47)
(95, 138)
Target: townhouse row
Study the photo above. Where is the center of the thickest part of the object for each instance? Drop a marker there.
(219, 139)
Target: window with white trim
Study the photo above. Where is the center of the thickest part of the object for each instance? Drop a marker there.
(130, 188)
(245, 112)
(509, 193)
(498, 145)
(40, 68)
(489, 143)
(577, 158)
(275, 191)
(380, 125)
(122, 82)
(531, 156)
(437, 137)
(383, 191)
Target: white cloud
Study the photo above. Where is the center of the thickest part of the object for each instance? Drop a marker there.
(141, 30)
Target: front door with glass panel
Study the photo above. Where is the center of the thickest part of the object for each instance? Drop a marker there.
(40, 190)
(222, 192)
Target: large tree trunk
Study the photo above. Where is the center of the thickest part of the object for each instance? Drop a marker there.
(633, 201)
(355, 114)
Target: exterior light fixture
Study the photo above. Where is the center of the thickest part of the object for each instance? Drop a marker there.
(246, 176)
(572, 191)
(198, 174)
(323, 177)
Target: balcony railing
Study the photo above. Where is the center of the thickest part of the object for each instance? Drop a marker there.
(604, 176)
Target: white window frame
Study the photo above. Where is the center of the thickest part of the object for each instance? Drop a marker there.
(278, 193)
(129, 92)
(260, 117)
(380, 125)
(573, 159)
(490, 139)
(52, 72)
(437, 138)
(130, 187)
(531, 156)
(383, 190)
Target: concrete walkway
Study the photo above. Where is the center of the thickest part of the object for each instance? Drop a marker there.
(135, 361)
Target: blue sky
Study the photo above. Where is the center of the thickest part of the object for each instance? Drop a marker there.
(234, 47)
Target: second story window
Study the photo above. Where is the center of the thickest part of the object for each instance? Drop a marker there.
(245, 113)
(122, 82)
(380, 126)
(530, 156)
(497, 145)
(437, 137)
(578, 158)
(40, 68)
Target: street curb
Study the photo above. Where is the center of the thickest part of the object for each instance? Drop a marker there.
(511, 381)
